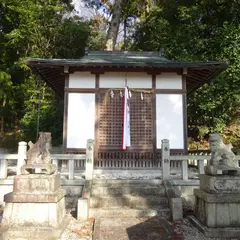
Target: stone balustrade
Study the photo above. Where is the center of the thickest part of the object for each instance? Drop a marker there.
(85, 162)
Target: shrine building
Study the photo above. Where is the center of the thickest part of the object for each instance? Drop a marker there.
(93, 91)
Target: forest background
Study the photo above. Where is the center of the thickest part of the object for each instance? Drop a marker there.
(187, 30)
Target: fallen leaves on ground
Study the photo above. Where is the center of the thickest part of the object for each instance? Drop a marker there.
(78, 229)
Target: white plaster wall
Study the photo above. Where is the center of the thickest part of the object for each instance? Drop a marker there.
(139, 80)
(117, 80)
(169, 114)
(81, 119)
(169, 81)
(82, 80)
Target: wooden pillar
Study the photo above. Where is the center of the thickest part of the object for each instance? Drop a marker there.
(185, 128)
(65, 114)
(154, 120)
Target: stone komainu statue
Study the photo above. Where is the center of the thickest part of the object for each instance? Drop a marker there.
(38, 156)
(39, 152)
(222, 160)
(221, 153)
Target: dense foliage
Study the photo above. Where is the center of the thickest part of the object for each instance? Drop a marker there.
(200, 30)
(193, 30)
(40, 29)
(188, 30)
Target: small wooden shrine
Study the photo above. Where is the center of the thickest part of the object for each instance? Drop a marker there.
(93, 87)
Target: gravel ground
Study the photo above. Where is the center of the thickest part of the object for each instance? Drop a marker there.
(192, 233)
(123, 174)
(134, 174)
(78, 230)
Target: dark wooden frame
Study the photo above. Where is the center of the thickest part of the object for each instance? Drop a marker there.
(96, 140)
(65, 114)
(154, 140)
(185, 137)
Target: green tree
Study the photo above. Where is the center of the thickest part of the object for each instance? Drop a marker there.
(44, 29)
(199, 30)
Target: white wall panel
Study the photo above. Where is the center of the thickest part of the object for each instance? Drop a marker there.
(117, 80)
(112, 80)
(81, 119)
(170, 120)
(81, 80)
(139, 80)
(169, 81)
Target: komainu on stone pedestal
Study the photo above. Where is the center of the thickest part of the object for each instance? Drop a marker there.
(36, 207)
(218, 199)
(38, 156)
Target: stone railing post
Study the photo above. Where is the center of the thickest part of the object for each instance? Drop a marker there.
(185, 169)
(3, 167)
(165, 159)
(201, 166)
(55, 161)
(22, 156)
(71, 169)
(89, 159)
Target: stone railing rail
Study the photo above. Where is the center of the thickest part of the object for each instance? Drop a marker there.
(208, 151)
(199, 160)
(4, 163)
(86, 162)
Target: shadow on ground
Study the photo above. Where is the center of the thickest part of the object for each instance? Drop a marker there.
(132, 228)
(150, 229)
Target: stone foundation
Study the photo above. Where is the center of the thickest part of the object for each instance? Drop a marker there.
(217, 210)
(34, 214)
(36, 207)
(217, 206)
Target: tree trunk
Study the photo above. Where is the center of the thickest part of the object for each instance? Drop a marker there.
(2, 126)
(125, 34)
(114, 25)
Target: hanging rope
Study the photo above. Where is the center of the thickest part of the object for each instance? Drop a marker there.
(106, 96)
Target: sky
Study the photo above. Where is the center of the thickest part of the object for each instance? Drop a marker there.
(88, 13)
(80, 8)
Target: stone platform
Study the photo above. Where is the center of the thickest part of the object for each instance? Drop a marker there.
(221, 233)
(217, 206)
(36, 207)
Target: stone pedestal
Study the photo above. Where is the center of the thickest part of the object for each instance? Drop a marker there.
(217, 207)
(35, 209)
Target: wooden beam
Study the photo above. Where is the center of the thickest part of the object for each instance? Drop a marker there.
(80, 90)
(170, 91)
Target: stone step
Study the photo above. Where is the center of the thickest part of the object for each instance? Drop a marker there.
(128, 212)
(139, 190)
(106, 182)
(129, 201)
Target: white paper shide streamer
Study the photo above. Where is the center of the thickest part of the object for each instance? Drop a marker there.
(126, 139)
